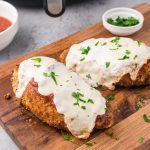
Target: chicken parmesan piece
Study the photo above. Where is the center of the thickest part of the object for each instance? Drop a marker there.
(110, 61)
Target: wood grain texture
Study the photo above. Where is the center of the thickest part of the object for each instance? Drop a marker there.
(30, 133)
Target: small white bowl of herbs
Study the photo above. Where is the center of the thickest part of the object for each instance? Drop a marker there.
(122, 21)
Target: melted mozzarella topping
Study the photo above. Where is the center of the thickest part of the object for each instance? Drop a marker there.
(104, 61)
(73, 97)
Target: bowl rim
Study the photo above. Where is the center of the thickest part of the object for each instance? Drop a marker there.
(16, 19)
(141, 20)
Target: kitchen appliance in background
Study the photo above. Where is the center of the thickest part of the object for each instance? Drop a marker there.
(53, 8)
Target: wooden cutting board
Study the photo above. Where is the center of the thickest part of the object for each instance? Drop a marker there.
(30, 133)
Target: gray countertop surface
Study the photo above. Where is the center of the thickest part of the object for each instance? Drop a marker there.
(37, 29)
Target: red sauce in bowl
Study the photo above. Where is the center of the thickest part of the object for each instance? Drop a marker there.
(4, 23)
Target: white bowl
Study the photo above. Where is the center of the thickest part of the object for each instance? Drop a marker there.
(8, 11)
(122, 12)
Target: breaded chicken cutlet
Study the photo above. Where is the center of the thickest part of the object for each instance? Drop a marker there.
(110, 62)
(46, 104)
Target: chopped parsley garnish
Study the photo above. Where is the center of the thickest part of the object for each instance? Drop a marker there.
(76, 103)
(83, 107)
(124, 57)
(138, 107)
(90, 101)
(139, 43)
(96, 43)
(79, 98)
(89, 144)
(141, 140)
(114, 48)
(110, 97)
(85, 50)
(146, 119)
(88, 76)
(128, 52)
(82, 59)
(142, 99)
(97, 84)
(37, 59)
(103, 43)
(123, 22)
(67, 137)
(52, 75)
(106, 109)
(37, 66)
(115, 40)
(107, 64)
(135, 56)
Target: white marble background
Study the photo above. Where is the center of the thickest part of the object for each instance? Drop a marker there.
(37, 29)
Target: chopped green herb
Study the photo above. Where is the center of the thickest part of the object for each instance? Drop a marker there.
(135, 56)
(110, 97)
(119, 45)
(88, 76)
(115, 40)
(37, 66)
(96, 43)
(139, 43)
(76, 103)
(82, 59)
(142, 99)
(103, 43)
(141, 140)
(97, 84)
(52, 75)
(106, 109)
(90, 101)
(83, 107)
(114, 48)
(78, 96)
(107, 64)
(37, 59)
(123, 22)
(102, 88)
(146, 119)
(85, 50)
(82, 100)
(128, 52)
(138, 107)
(67, 137)
(124, 57)
(89, 144)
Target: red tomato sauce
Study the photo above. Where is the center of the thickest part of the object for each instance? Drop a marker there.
(4, 23)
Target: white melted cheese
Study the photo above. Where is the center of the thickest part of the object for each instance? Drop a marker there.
(107, 60)
(80, 119)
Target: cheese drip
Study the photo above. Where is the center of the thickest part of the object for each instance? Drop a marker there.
(104, 61)
(73, 97)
